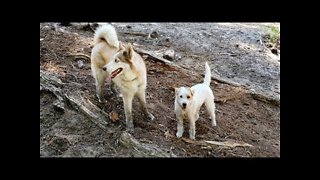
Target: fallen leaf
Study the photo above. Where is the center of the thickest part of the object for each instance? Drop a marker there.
(167, 134)
(114, 116)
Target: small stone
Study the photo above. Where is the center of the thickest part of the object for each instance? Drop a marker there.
(154, 34)
(80, 64)
(58, 105)
(169, 54)
(274, 51)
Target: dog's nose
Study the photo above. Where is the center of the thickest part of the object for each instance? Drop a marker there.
(184, 104)
(104, 68)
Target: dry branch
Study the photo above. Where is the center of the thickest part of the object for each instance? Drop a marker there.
(142, 149)
(93, 113)
(79, 56)
(155, 57)
(137, 34)
(53, 84)
(263, 98)
(162, 60)
(229, 143)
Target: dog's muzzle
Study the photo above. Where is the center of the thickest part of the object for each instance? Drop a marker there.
(184, 105)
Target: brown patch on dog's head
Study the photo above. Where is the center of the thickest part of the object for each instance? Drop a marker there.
(192, 92)
(184, 96)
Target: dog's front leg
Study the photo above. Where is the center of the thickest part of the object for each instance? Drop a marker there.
(142, 99)
(114, 89)
(192, 129)
(127, 103)
(179, 126)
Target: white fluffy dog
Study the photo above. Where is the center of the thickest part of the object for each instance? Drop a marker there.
(188, 102)
(128, 71)
(106, 45)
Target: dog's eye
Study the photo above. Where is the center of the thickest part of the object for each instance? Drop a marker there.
(181, 96)
(116, 60)
(188, 97)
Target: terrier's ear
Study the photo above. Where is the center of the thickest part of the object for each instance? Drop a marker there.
(176, 91)
(192, 92)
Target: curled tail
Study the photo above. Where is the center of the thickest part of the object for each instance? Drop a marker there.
(106, 33)
(207, 77)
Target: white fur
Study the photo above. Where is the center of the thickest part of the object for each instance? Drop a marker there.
(198, 95)
(107, 32)
(132, 81)
(105, 47)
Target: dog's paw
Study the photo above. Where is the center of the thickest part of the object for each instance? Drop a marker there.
(179, 135)
(213, 124)
(192, 137)
(116, 93)
(130, 128)
(100, 99)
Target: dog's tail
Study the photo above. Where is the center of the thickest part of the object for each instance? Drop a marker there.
(207, 76)
(106, 33)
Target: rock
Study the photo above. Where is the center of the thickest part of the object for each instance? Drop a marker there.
(86, 27)
(154, 34)
(58, 105)
(169, 54)
(80, 64)
(246, 103)
(65, 24)
(274, 51)
(94, 25)
(47, 28)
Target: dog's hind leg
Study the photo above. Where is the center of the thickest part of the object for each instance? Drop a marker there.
(100, 77)
(127, 103)
(211, 110)
(142, 99)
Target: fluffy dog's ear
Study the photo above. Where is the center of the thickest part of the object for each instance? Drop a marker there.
(176, 90)
(192, 92)
(128, 52)
(121, 46)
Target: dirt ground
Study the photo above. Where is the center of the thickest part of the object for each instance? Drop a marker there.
(232, 50)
